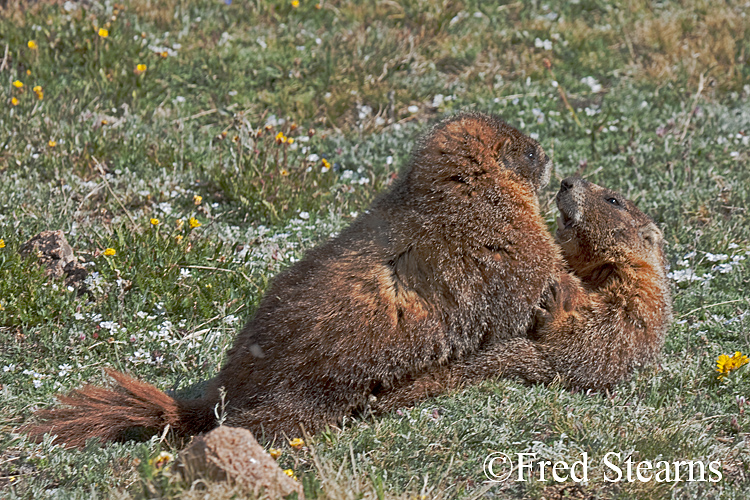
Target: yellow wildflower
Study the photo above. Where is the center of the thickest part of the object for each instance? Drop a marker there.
(39, 92)
(179, 223)
(105, 122)
(275, 453)
(14, 101)
(296, 443)
(197, 199)
(725, 364)
(295, 3)
(104, 33)
(178, 238)
(164, 54)
(161, 459)
(32, 45)
(154, 221)
(52, 143)
(280, 138)
(28, 72)
(18, 84)
(284, 172)
(109, 252)
(141, 68)
(289, 140)
(193, 222)
(2, 243)
(290, 473)
(318, 6)
(326, 164)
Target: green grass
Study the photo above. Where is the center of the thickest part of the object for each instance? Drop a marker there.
(664, 118)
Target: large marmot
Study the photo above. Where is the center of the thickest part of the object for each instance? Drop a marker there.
(453, 256)
(607, 316)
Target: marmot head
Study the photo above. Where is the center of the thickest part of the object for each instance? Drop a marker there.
(598, 226)
(472, 149)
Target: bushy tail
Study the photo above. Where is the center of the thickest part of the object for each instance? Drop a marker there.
(96, 412)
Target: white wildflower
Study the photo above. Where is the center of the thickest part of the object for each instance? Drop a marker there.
(682, 275)
(592, 83)
(711, 257)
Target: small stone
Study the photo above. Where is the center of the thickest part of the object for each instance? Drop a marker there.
(55, 253)
(232, 454)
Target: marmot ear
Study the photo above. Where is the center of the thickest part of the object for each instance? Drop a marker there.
(651, 234)
(500, 146)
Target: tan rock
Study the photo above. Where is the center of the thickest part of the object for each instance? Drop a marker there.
(55, 253)
(232, 454)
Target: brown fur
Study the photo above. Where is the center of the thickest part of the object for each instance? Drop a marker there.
(609, 315)
(454, 256)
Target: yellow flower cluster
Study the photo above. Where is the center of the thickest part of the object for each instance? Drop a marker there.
(290, 473)
(103, 32)
(18, 84)
(2, 243)
(326, 164)
(194, 223)
(140, 69)
(32, 45)
(296, 443)
(109, 252)
(275, 453)
(154, 221)
(726, 364)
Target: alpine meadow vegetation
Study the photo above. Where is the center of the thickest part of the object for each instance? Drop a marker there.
(192, 149)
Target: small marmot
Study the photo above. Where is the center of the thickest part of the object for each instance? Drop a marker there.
(606, 316)
(455, 255)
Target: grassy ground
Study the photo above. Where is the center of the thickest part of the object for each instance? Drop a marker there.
(184, 109)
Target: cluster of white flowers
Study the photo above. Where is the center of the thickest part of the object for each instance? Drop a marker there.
(95, 283)
(593, 84)
(724, 264)
(36, 377)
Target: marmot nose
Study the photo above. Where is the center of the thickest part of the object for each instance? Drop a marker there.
(567, 183)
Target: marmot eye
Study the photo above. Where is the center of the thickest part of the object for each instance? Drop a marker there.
(531, 154)
(613, 201)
